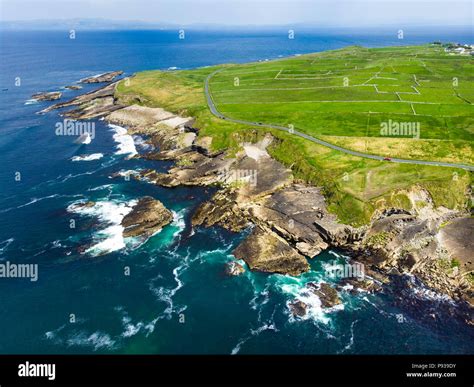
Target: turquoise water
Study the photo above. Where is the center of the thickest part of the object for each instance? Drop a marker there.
(168, 294)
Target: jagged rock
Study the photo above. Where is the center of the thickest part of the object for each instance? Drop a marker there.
(92, 109)
(263, 251)
(298, 308)
(366, 284)
(73, 87)
(291, 212)
(88, 99)
(326, 293)
(200, 170)
(457, 238)
(147, 217)
(47, 96)
(234, 269)
(77, 206)
(105, 77)
(142, 117)
(221, 210)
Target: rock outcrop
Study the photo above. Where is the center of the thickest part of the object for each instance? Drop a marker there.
(457, 237)
(423, 243)
(47, 96)
(298, 308)
(100, 78)
(94, 104)
(234, 269)
(266, 252)
(255, 189)
(146, 218)
(326, 293)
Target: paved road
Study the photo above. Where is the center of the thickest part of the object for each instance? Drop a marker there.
(213, 109)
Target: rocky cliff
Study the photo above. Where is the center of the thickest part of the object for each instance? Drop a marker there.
(290, 220)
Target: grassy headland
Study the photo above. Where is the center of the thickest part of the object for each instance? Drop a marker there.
(342, 96)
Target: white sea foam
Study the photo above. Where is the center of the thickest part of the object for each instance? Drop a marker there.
(142, 144)
(351, 339)
(101, 187)
(423, 292)
(166, 294)
(297, 290)
(110, 213)
(178, 225)
(4, 244)
(33, 201)
(53, 335)
(334, 253)
(314, 308)
(254, 332)
(31, 101)
(178, 220)
(91, 157)
(126, 145)
(130, 328)
(96, 340)
(71, 176)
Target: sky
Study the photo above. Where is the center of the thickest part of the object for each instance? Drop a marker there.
(350, 13)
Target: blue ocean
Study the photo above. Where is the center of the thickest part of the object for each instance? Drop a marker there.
(99, 293)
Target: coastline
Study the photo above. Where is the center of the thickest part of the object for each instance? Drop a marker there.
(290, 220)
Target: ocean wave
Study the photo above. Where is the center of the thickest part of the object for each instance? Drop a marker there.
(178, 221)
(216, 255)
(91, 157)
(101, 187)
(260, 298)
(96, 340)
(129, 328)
(110, 238)
(351, 339)
(254, 332)
(166, 295)
(335, 254)
(4, 244)
(71, 176)
(125, 173)
(31, 101)
(126, 145)
(36, 200)
(421, 291)
(141, 143)
(53, 335)
(296, 289)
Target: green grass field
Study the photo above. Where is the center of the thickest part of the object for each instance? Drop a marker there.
(353, 91)
(341, 96)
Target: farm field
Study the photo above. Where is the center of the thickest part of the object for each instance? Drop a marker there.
(355, 91)
(342, 97)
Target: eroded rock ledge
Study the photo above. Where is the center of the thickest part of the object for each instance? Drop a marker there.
(147, 217)
(47, 96)
(100, 78)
